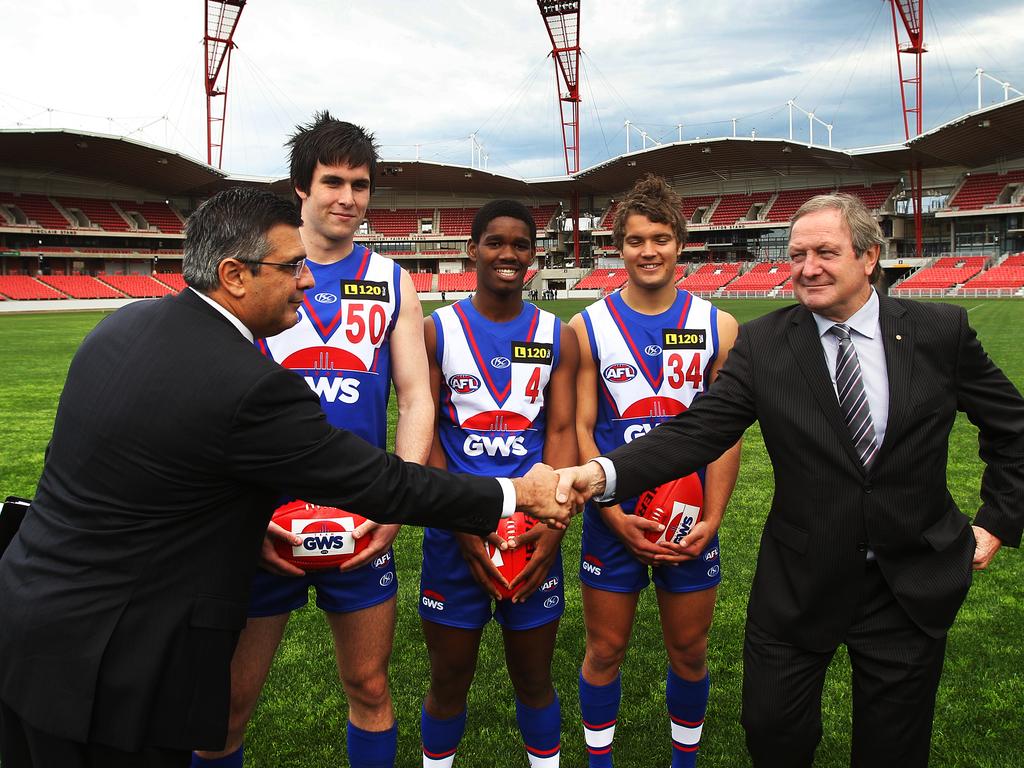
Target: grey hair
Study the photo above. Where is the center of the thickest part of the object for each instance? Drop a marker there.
(232, 224)
(863, 227)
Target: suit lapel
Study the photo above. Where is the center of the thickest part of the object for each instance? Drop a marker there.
(806, 346)
(898, 342)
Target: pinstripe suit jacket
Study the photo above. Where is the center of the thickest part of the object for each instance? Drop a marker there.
(827, 509)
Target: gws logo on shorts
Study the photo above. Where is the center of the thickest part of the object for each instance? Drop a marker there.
(619, 373)
(549, 584)
(383, 561)
(592, 565)
(652, 350)
(387, 578)
(494, 445)
(552, 601)
(711, 554)
(463, 383)
(713, 571)
(323, 297)
(432, 599)
(500, 362)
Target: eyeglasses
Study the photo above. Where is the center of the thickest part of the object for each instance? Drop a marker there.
(295, 265)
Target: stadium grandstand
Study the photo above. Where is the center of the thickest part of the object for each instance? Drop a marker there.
(95, 219)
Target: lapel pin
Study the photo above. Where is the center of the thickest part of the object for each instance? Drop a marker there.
(898, 337)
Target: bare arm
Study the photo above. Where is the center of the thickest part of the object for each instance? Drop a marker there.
(409, 374)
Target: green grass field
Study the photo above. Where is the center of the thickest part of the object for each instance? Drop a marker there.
(300, 719)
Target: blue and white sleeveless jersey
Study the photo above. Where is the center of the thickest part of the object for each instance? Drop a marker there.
(494, 376)
(650, 367)
(341, 345)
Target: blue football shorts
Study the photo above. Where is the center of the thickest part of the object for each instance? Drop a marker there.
(336, 591)
(607, 564)
(450, 595)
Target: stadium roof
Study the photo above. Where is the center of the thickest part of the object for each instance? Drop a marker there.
(982, 138)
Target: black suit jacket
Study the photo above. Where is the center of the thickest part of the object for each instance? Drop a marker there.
(125, 589)
(827, 509)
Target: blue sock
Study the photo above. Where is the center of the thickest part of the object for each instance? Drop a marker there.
(372, 749)
(599, 706)
(542, 732)
(233, 760)
(441, 738)
(687, 703)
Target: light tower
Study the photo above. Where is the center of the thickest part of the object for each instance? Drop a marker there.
(218, 41)
(909, 15)
(562, 18)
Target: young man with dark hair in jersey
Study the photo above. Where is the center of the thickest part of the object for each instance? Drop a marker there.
(637, 370)
(360, 330)
(503, 372)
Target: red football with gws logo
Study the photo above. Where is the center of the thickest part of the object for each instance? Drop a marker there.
(326, 534)
(678, 505)
(511, 562)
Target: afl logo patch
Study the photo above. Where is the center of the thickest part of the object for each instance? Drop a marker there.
(551, 602)
(619, 373)
(500, 362)
(387, 578)
(463, 383)
(652, 350)
(325, 298)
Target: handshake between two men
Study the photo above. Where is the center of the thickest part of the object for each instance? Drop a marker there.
(553, 496)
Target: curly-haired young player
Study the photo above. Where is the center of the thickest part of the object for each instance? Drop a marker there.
(360, 330)
(503, 372)
(638, 369)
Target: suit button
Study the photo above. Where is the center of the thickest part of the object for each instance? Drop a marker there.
(862, 546)
(867, 488)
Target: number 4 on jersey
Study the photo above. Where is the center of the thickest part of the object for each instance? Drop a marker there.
(533, 386)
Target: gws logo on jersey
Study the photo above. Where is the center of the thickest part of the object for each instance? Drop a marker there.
(500, 362)
(619, 373)
(552, 601)
(335, 389)
(383, 561)
(463, 383)
(432, 599)
(633, 431)
(387, 578)
(494, 445)
(652, 350)
(549, 584)
(592, 565)
(323, 369)
(711, 554)
(325, 298)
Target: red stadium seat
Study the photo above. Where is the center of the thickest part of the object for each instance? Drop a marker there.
(23, 287)
(82, 287)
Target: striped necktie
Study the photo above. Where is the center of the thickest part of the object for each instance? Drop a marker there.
(852, 398)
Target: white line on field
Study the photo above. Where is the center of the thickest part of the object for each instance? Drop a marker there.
(975, 307)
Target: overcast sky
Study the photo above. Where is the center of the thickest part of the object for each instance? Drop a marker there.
(432, 73)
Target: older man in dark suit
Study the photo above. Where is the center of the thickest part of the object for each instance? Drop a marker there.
(856, 394)
(124, 590)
